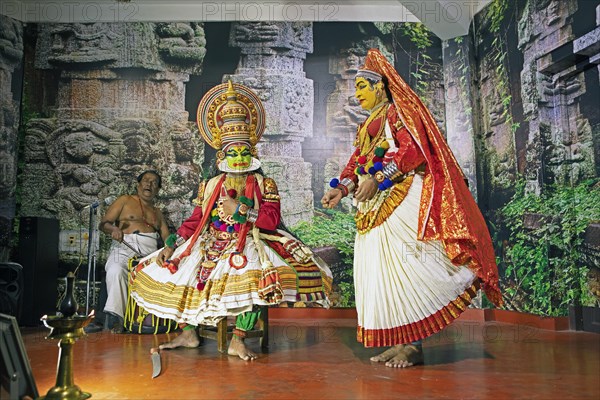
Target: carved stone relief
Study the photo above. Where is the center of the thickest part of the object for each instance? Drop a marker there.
(459, 73)
(497, 136)
(11, 58)
(272, 64)
(120, 109)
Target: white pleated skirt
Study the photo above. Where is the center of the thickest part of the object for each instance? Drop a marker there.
(406, 289)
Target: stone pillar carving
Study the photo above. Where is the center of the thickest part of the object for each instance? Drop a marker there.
(459, 67)
(119, 110)
(11, 58)
(498, 162)
(271, 63)
(561, 140)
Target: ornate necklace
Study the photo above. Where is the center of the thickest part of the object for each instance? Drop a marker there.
(365, 143)
(373, 149)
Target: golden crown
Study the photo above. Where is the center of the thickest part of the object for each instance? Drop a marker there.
(231, 113)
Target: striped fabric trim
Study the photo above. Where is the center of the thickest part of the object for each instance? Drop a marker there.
(311, 296)
(312, 283)
(187, 297)
(369, 220)
(421, 329)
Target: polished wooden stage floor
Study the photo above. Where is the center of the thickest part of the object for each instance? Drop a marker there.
(320, 359)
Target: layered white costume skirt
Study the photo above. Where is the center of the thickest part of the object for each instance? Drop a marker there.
(227, 291)
(406, 289)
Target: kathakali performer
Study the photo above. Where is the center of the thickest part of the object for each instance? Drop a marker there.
(228, 257)
(422, 248)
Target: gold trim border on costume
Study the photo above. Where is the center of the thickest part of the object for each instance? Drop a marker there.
(369, 220)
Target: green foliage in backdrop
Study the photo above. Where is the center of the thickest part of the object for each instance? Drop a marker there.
(338, 229)
(543, 269)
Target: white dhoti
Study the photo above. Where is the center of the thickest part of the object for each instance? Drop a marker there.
(406, 289)
(116, 268)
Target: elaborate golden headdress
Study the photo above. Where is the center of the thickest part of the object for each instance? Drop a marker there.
(228, 114)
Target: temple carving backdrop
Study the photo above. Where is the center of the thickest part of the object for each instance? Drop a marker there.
(86, 107)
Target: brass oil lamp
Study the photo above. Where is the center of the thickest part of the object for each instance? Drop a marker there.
(66, 326)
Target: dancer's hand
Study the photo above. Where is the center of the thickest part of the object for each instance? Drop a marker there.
(366, 190)
(229, 205)
(331, 198)
(164, 255)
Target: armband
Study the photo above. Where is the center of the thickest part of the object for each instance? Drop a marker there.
(171, 240)
(391, 172)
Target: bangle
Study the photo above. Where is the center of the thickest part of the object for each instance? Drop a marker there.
(343, 189)
(252, 215)
(391, 172)
(335, 184)
(345, 186)
(349, 184)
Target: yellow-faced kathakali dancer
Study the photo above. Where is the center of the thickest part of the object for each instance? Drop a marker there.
(422, 247)
(228, 257)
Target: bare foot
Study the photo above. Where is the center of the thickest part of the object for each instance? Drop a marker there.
(187, 338)
(410, 355)
(388, 354)
(238, 348)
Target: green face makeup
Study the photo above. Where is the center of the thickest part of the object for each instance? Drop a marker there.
(238, 157)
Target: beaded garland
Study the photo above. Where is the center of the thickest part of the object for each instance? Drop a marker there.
(229, 225)
(371, 164)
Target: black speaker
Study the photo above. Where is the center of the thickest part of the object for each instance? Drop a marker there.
(11, 288)
(38, 254)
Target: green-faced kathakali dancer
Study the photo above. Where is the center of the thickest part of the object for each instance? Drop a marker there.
(229, 257)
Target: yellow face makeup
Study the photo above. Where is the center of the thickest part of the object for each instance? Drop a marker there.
(368, 95)
(238, 157)
(365, 93)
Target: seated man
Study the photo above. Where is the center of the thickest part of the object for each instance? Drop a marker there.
(228, 257)
(134, 225)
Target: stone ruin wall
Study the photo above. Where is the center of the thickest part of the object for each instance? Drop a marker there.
(113, 105)
(118, 110)
(11, 61)
(272, 64)
(545, 131)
